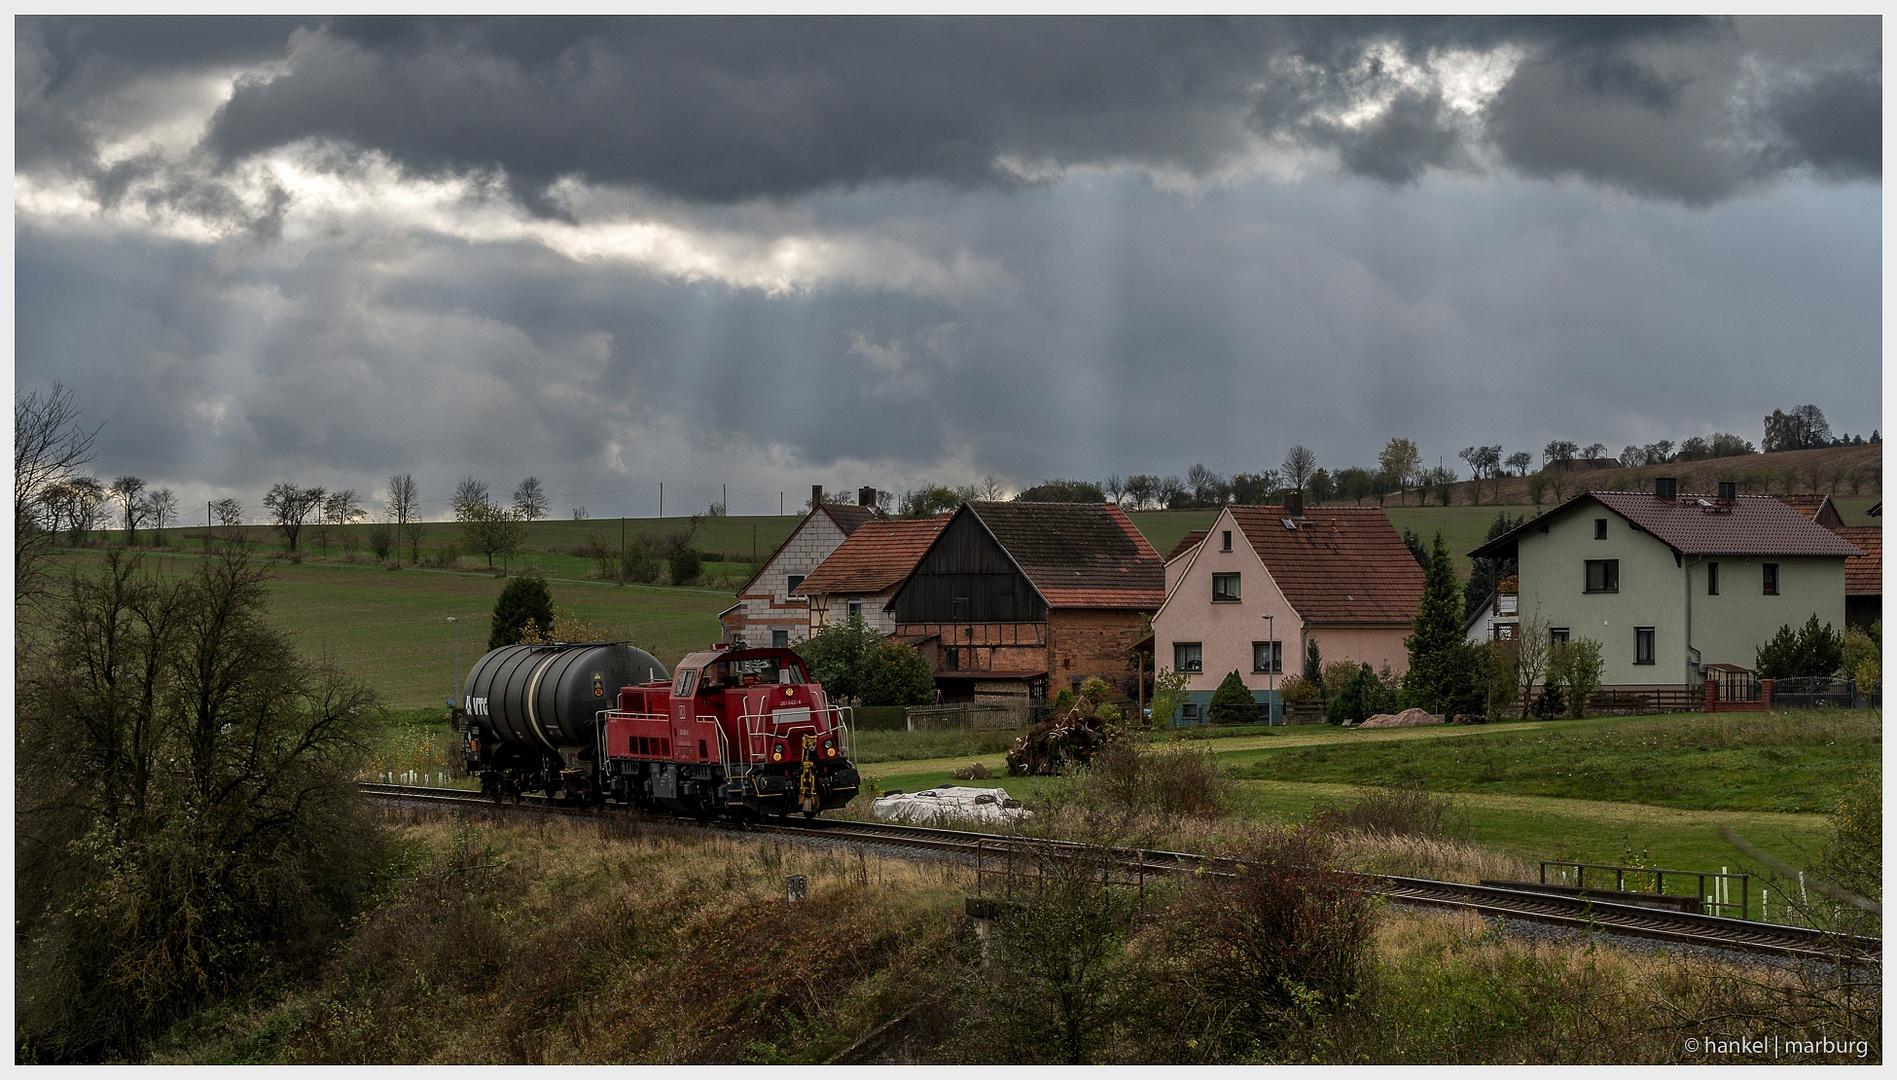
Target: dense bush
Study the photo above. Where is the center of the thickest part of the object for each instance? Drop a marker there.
(1364, 696)
(1128, 777)
(685, 565)
(1811, 652)
(1399, 811)
(186, 808)
(853, 661)
(895, 674)
(1277, 949)
(1232, 702)
(524, 599)
(1575, 667)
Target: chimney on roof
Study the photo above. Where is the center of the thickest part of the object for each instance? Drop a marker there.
(816, 496)
(1294, 504)
(1728, 491)
(1666, 487)
(866, 496)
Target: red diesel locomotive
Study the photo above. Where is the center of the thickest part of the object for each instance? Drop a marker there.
(730, 731)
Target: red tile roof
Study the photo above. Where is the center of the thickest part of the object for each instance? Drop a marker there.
(1702, 525)
(1341, 564)
(1864, 574)
(1191, 540)
(1816, 507)
(1078, 554)
(875, 559)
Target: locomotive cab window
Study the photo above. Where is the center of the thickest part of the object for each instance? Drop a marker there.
(686, 683)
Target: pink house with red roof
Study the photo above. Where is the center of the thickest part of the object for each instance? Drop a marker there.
(1263, 582)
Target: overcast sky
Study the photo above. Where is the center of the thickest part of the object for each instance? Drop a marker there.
(771, 253)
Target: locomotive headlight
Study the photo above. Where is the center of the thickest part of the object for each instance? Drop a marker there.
(829, 748)
(777, 752)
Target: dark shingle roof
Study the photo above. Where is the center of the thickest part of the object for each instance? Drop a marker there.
(875, 558)
(1341, 564)
(1078, 554)
(1864, 574)
(1702, 525)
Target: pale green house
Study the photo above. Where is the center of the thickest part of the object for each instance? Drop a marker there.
(1669, 583)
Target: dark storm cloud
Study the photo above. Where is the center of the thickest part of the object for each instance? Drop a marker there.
(67, 70)
(1836, 122)
(731, 109)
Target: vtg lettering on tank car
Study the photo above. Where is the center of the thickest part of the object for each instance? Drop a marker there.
(731, 731)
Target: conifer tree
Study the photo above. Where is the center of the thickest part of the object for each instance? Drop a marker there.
(1435, 641)
(524, 598)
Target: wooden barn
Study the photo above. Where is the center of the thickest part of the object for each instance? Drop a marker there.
(1023, 599)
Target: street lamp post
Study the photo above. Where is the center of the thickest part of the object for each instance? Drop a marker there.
(457, 656)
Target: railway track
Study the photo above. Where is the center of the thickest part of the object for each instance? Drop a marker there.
(990, 852)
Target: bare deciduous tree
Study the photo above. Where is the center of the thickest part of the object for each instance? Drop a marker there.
(530, 500)
(1299, 463)
(49, 446)
(404, 506)
(161, 508)
(291, 505)
(1520, 460)
(127, 492)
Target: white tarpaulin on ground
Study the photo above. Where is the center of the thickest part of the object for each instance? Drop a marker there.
(962, 803)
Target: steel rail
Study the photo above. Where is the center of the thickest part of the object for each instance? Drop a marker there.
(1573, 912)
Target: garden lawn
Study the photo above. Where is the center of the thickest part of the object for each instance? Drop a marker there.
(1786, 762)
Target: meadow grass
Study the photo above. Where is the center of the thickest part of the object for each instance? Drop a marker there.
(390, 627)
(562, 941)
(1789, 762)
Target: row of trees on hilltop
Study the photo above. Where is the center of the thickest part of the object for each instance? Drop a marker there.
(1399, 470)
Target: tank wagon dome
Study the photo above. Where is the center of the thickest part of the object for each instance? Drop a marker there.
(549, 695)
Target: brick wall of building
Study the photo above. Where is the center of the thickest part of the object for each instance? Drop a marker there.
(1083, 643)
(767, 605)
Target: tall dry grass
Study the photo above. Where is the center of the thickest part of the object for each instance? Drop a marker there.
(558, 941)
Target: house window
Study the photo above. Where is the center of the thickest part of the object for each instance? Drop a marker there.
(1224, 587)
(954, 658)
(1227, 546)
(856, 609)
(1600, 528)
(1557, 635)
(1187, 656)
(1643, 644)
(794, 581)
(1267, 657)
(780, 639)
(1771, 579)
(1712, 579)
(1189, 713)
(1603, 575)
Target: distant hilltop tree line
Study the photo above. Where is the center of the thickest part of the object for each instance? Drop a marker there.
(55, 499)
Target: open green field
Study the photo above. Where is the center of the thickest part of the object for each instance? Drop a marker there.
(1607, 789)
(390, 627)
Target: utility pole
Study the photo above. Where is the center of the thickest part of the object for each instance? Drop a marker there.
(661, 498)
(619, 575)
(457, 658)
